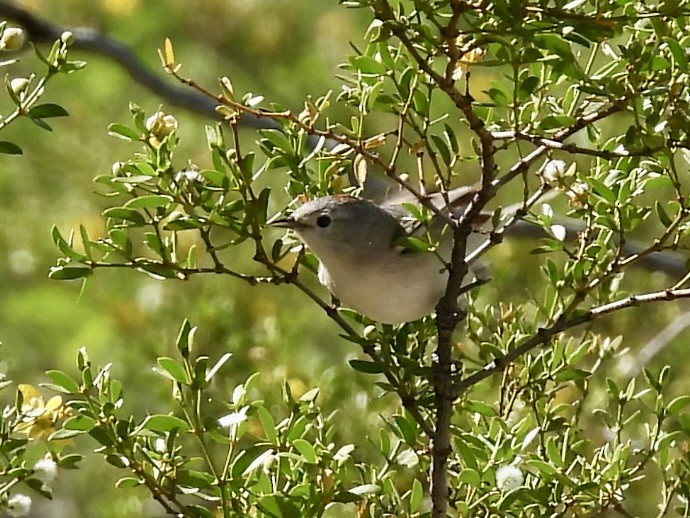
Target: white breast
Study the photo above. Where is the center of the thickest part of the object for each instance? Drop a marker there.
(392, 290)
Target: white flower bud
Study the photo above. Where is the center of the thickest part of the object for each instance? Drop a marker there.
(116, 168)
(46, 470)
(161, 124)
(67, 38)
(189, 175)
(559, 232)
(13, 38)
(19, 84)
(554, 171)
(371, 333)
(508, 478)
(19, 505)
(160, 446)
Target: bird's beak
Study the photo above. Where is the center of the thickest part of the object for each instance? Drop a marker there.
(286, 223)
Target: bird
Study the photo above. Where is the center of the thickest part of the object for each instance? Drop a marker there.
(363, 259)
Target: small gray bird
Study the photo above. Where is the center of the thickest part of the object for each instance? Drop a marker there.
(362, 261)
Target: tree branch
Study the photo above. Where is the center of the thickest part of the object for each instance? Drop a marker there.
(557, 144)
(563, 324)
(41, 31)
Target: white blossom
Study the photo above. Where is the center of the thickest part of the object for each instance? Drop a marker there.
(46, 470)
(19, 505)
(67, 38)
(509, 478)
(233, 419)
(559, 232)
(554, 171)
(161, 124)
(19, 84)
(13, 38)
(189, 175)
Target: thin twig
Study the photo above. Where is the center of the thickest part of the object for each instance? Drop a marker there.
(563, 324)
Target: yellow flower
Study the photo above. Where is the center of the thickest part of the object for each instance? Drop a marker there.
(38, 417)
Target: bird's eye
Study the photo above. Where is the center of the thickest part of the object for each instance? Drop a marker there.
(323, 221)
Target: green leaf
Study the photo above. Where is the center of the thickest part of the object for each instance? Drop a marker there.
(366, 489)
(252, 457)
(416, 495)
(368, 66)
(368, 367)
(277, 505)
(471, 477)
(63, 380)
(121, 241)
(69, 461)
(570, 375)
(407, 429)
(125, 214)
(85, 241)
(553, 452)
(155, 244)
(678, 53)
(80, 423)
(41, 124)
(196, 479)
(215, 178)
(128, 482)
(268, 423)
(175, 370)
(497, 96)
(556, 121)
(442, 149)
(151, 201)
(63, 434)
(472, 405)
(66, 247)
(117, 460)
(661, 213)
(413, 244)
(677, 404)
(527, 87)
(157, 270)
(185, 338)
(69, 273)
(9, 148)
(544, 468)
(123, 132)
(164, 423)
(310, 395)
(44, 111)
(183, 224)
(555, 44)
(602, 190)
(307, 450)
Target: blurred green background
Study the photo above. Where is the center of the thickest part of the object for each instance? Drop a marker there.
(282, 49)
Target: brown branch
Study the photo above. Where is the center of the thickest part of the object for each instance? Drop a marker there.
(563, 324)
(41, 31)
(448, 315)
(557, 144)
(524, 163)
